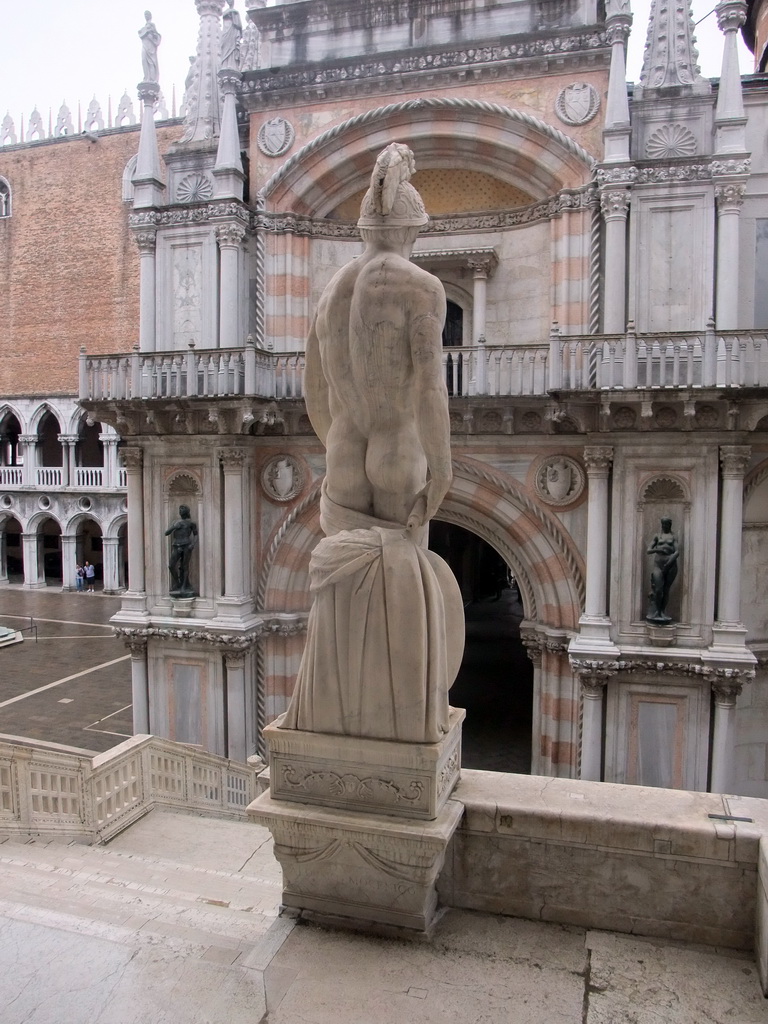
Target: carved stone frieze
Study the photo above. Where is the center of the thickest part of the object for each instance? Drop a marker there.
(193, 213)
(537, 642)
(232, 642)
(577, 103)
(371, 789)
(734, 166)
(713, 673)
(672, 173)
(342, 75)
(624, 175)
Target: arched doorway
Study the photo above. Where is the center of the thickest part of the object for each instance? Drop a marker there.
(10, 453)
(122, 557)
(11, 551)
(90, 546)
(495, 682)
(49, 551)
(89, 455)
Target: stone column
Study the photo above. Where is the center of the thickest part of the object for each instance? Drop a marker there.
(3, 558)
(533, 648)
(110, 564)
(616, 133)
(133, 460)
(593, 683)
(230, 238)
(733, 462)
(730, 197)
(725, 694)
(139, 683)
(110, 442)
(479, 298)
(236, 746)
(68, 561)
(68, 443)
(614, 203)
(29, 474)
(34, 569)
(598, 462)
(233, 461)
(147, 243)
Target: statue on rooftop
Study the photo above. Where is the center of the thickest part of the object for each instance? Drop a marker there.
(386, 629)
(230, 38)
(150, 40)
(666, 561)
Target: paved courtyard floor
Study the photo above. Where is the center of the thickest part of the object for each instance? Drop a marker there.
(71, 683)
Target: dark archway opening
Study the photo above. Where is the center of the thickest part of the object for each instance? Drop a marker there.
(453, 337)
(495, 682)
(49, 550)
(11, 551)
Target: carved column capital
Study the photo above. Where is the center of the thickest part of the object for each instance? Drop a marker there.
(731, 15)
(232, 458)
(28, 438)
(614, 203)
(149, 92)
(533, 645)
(145, 240)
(132, 458)
(594, 675)
(234, 659)
(481, 266)
(68, 439)
(598, 459)
(734, 460)
(730, 196)
(726, 692)
(230, 235)
(137, 645)
(617, 28)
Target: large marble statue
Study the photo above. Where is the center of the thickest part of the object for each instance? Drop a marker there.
(386, 629)
(230, 38)
(666, 559)
(150, 40)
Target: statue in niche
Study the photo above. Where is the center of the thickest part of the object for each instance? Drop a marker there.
(150, 40)
(230, 38)
(386, 629)
(184, 542)
(666, 559)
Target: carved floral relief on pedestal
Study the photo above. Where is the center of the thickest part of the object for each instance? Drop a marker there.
(282, 478)
(559, 481)
(187, 295)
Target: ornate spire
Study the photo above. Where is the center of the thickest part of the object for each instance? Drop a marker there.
(671, 57)
(203, 117)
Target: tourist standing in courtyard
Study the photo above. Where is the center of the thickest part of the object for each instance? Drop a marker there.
(90, 576)
(79, 577)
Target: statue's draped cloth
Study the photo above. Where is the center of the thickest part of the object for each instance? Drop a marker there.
(385, 633)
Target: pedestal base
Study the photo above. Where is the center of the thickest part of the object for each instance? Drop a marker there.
(408, 780)
(358, 868)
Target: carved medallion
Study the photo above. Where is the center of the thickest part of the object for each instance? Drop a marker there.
(282, 478)
(275, 136)
(559, 480)
(194, 188)
(577, 103)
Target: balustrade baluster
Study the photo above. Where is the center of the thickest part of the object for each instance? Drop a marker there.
(728, 368)
(758, 376)
(742, 361)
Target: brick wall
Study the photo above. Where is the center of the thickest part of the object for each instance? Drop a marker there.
(69, 270)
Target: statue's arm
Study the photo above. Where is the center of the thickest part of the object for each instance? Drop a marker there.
(431, 404)
(170, 529)
(316, 387)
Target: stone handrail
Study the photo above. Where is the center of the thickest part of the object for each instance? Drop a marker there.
(47, 789)
(196, 373)
(724, 359)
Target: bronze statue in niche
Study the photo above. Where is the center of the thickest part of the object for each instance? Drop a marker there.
(666, 561)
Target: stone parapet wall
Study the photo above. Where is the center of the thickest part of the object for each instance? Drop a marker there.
(628, 859)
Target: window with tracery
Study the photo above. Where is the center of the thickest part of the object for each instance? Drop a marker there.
(5, 198)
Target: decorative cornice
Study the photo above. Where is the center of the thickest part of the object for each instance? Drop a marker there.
(568, 199)
(735, 166)
(225, 642)
(191, 213)
(711, 673)
(346, 74)
(622, 175)
(670, 173)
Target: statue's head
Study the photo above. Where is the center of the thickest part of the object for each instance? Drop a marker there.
(392, 203)
(184, 511)
(666, 524)
(148, 15)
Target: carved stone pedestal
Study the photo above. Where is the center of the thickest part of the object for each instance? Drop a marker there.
(409, 780)
(354, 869)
